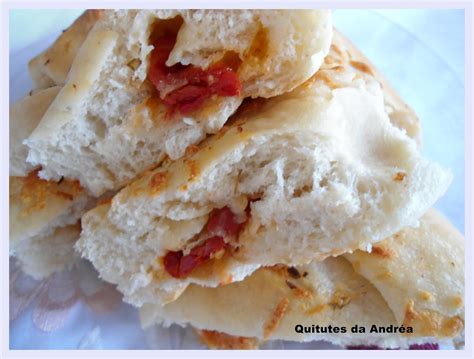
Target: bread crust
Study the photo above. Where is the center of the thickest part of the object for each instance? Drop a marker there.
(50, 68)
(44, 223)
(24, 117)
(420, 273)
(35, 203)
(400, 113)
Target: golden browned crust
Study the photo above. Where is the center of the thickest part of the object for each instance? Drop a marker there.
(382, 251)
(399, 176)
(326, 78)
(222, 131)
(218, 340)
(298, 291)
(431, 323)
(159, 181)
(274, 321)
(287, 272)
(362, 66)
(191, 150)
(424, 295)
(193, 168)
(34, 191)
(106, 200)
(339, 299)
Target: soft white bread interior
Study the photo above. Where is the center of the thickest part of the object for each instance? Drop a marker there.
(42, 255)
(44, 219)
(24, 117)
(107, 124)
(51, 67)
(315, 173)
(272, 301)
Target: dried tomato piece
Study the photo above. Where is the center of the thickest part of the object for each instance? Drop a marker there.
(187, 264)
(224, 81)
(188, 98)
(184, 88)
(209, 247)
(172, 261)
(224, 222)
(179, 265)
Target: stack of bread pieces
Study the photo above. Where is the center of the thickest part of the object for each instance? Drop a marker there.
(248, 173)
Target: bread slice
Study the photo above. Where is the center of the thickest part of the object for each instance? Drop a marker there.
(420, 273)
(314, 173)
(269, 303)
(44, 254)
(400, 113)
(274, 300)
(24, 117)
(108, 123)
(50, 68)
(44, 215)
(44, 223)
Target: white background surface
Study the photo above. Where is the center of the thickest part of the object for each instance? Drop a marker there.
(421, 52)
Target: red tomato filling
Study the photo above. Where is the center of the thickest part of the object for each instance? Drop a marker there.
(222, 223)
(184, 88)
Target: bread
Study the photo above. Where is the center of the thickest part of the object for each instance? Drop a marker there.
(272, 301)
(218, 340)
(420, 272)
(264, 306)
(44, 215)
(24, 117)
(290, 202)
(51, 67)
(44, 224)
(44, 254)
(400, 113)
(108, 123)
(314, 173)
